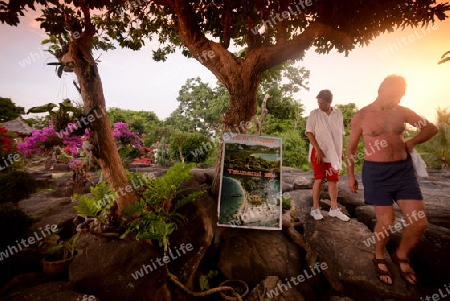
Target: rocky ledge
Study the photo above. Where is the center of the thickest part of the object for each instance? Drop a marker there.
(307, 260)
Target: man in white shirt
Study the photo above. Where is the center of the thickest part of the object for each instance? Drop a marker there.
(325, 129)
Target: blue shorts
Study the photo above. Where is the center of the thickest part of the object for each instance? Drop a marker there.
(387, 182)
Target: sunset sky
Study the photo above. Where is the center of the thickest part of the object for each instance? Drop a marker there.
(131, 80)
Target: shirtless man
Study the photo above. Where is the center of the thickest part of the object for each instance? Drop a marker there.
(388, 174)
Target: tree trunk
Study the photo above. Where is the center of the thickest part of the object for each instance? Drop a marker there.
(243, 106)
(105, 150)
(240, 75)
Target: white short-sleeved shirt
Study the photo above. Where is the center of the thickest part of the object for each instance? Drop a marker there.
(328, 131)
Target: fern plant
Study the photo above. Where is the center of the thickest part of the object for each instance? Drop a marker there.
(62, 249)
(150, 224)
(96, 205)
(161, 192)
(154, 216)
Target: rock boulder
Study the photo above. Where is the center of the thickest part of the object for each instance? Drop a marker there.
(118, 269)
(250, 255)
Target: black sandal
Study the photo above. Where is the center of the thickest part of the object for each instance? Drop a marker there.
(405, 275)
(381, 272)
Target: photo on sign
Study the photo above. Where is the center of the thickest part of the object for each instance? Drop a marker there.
(250, 183)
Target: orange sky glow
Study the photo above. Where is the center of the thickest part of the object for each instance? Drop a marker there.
(412, 53)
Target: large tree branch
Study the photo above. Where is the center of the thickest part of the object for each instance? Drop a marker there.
(252, 38)
(74, 25)
(281, 26)
(89, 28)
(271, 56)
(226, 25)
(213, 56)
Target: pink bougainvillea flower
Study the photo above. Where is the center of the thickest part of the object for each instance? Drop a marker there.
(123, 135)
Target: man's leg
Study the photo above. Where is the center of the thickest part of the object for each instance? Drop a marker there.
(333, 179)
(416, 223)
(333, 192)
(319, 170)
(385, 218)
(317, 190)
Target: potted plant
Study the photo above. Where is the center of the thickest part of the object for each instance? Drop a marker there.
(59, 256)
(239, 287)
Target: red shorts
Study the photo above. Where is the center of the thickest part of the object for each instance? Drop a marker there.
(323, 170)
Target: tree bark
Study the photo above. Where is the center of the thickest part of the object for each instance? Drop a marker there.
(79, 59)
(243, 88)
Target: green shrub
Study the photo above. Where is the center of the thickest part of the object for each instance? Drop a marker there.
(286, 203)
(154, 215)
(212, 157)
(97, 204)
(295, 149)
(194, 147)
(15, 224)
(156, 210)
(128, 153)
(431, 160)
(162, 153)
(16, 185)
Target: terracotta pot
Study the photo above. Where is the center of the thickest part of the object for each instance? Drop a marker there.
(239, 286)
(56, 268)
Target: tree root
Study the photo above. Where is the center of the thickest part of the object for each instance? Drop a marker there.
(93, 226)
(297, 238)
(335, 283)
(201, 294)
(311, 256)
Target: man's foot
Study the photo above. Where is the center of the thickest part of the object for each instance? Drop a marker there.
(316, 214)
(406, 272)
(337, 213)
(382, 271)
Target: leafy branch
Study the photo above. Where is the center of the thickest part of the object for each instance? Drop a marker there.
(65, 113)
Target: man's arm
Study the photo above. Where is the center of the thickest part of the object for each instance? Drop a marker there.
(310, 127)
(319, 153)
(355, 135)
(426, 129)
(341, 121)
